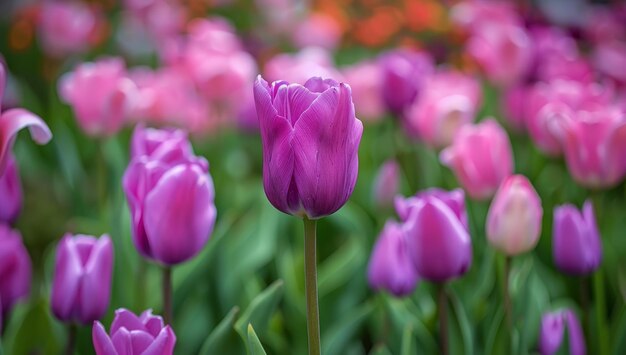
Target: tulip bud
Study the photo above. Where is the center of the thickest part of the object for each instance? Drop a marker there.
(514, 217)
(170, 194)
(390, 267)
(386, 183)
(438, 241)
(132, 335)
(310, 145)
(10, 192)
(480, 157)
(577, 248)
(15, 268)
(454, 199)
(81, 285)
(553, 327)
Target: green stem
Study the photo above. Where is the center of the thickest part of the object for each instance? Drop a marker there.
(71, 339)
(310, 283)
(167, 295)
(601, 326)
(508, 309)
(442, 306)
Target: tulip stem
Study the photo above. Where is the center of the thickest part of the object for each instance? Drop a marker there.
(508, 309)
(310, 285)
(584, 303)
(167, 295)
(442, 305)
(600, 305)
(71, 339)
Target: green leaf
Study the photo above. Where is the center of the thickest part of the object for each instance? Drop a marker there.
(260, 309)
(407, 341)
(216, 342)
(35, 332)
(380, 350)
(463, 322)
(336, 338)
(254, 344)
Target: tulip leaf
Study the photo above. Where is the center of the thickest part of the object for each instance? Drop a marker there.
(463, 322)
(34, 332)
(407, 341)
(216, 343)
(496, 342)
(340, 267)
(401, 315)
(260, 309)
(336, 337)
(380, 350)
(254, 344)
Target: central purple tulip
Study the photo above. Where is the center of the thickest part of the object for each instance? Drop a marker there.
(310, 145)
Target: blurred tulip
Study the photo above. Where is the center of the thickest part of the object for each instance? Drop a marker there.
(576, 244)
(389, 267)
(15, 268)
(404, 72)
(514, 106)
(319, 30)
(132, 335)
(602, 24)
(514, 217)
(454, 199)
(170, 194)
(162, 19)
(553, 326)
(609, 58)
(437, 239)
(471, 14)
(100, 94)
(13, 120)
(481, 158)
(310, 145)
(299, 67)
(10, 192)
(447, 101)
(386, 183)
(365, 79)
(67, 27)
(81, 286)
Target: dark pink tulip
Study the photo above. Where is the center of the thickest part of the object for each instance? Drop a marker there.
(386, 183)
(390, 267)
(81, 286)
(10, 192)
(100, 94)
(448, 100)
(365, 79)
(310, 145)
(481, 158)
(15, 268)
(66, 27)
(403, 74)
(576, 244)
(514, 217)
(553, 327)
(13, 120)
(170, 194)
(454, 199)
(437, 239)
(132, 335)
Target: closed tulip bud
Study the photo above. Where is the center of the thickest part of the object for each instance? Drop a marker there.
(168, 145)
(576, 245)
(170, 194)
(10, 192)
(553, 327)
(132, 335)
(514, 217)
(15, 268)
(310, 145)
(81, 285)
(386, 183)
(437, 239)
(454, 199)
(481, 158)
(390, 267)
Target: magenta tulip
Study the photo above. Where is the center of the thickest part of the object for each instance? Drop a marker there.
(10, 192)
(310, 145)
(15, 268)
(454, 199)
(386, 183)
(553, 327)
(514, 217)
(81, 286)
(481, 158)
(132, 335)
(576, 243)
(390, 267)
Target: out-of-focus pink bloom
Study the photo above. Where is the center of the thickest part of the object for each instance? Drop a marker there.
(15, 268)
(282, 16)
(481, 158)
(365, 79)
(386, 183)
(514, 217)
(318, 30)
(299, 67)
(100, 94)
(472, 14)
(609, 58)
(594, 144)
(66, 27)
(10, 192)
(603, 24)
(162, 19)
(447, 101)
(514, 105)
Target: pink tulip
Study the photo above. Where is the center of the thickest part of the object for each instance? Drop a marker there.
(15, 268)
(10, 192)
(319, 30)
(514, 106)
(557, 56)
(365, 79)
(299, 67)
(162, 19)
(481, 158)
(514, 217)
(386, 183)
(66, 27)
(447, 101)
(610, 58)
(471, 14)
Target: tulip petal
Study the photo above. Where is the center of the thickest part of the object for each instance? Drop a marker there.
(551, 333)
(140, 341)
(13, 121)
(96, 281)
(292, 100)
(126, 319)
(66, 281)
(123, 342)
(163, 344)
(101, 342)
(153, 324)
(575, 334)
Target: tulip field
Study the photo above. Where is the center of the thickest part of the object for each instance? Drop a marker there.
(312, 177)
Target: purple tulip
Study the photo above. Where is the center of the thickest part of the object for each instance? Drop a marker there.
(170, 194)
(15, 268)
(390, 267)
(437, 237)
(455, 199)
(310, 145)
(10, 192)
(553, 327)
(132, 335)
(403, 72)
(576, 247)
(81, 286)
(386, 183)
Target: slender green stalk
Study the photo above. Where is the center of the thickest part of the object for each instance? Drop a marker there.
(71, 339)
(600, 306)
(167, 295)
(508, 308)
(584, 304)
(442, 306)
(310, 285)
